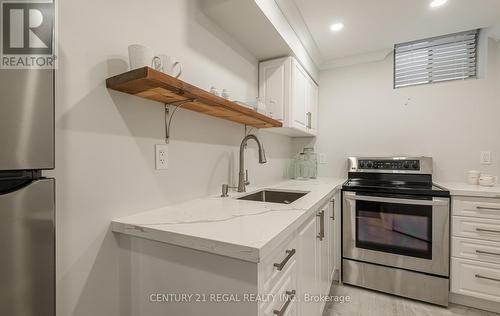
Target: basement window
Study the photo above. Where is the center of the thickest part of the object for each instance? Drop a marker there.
(437, 59)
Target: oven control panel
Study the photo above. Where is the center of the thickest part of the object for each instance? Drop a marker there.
(389, 164)
(395, 164)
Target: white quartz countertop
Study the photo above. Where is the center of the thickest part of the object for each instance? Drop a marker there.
(464, 189)
(241, 229)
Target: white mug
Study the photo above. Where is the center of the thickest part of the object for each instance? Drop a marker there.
(473, 177)
(487, 180)
(142, 56)
(170, 65)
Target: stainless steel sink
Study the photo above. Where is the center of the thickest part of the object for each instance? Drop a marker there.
(274, 196)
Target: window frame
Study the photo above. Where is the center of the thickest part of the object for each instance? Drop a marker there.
(475, 32)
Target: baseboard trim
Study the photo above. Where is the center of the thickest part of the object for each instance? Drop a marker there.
(475, 302)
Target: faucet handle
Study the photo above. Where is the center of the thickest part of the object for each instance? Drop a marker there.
(225, 190)
(246, 177)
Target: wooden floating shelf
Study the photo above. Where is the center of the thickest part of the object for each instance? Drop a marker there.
(154, 85)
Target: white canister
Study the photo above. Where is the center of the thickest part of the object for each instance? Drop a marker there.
(473, 177)
(487, 180)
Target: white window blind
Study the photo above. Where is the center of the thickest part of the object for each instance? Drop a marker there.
(437, 59)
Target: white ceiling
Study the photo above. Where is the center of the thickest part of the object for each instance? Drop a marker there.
(372, 26)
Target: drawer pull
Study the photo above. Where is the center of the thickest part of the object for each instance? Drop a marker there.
(333, 210)
(281, 265)
(487, 230)
(486, 278)
(321, 234)
(290, 295)
(487, 253)
(488, 208)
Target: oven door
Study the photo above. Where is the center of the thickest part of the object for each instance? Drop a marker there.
(404, 231)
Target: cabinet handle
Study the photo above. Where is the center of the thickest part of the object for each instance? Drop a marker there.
(333, 210)
(488, 208)
(481, 252)
(282, 264)
(486, 278)
(309, 120)
(290, 295)
(321, 216)
(488, 230)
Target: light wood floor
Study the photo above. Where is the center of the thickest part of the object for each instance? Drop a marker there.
(365, 302)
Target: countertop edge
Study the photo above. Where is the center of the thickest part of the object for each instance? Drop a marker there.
(192, 242)
(464, 189)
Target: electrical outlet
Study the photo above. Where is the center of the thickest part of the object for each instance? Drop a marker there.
(322, 158)
(485, 158)
(161, 155)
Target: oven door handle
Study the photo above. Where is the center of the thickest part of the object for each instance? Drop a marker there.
(434, 202)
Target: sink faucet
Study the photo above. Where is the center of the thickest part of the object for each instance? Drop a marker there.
(242, 182)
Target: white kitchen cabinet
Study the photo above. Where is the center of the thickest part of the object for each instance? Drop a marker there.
(274, 77)
(290, 95)
(323, 247)
(312, 107)
(475, 251)
(334, 237)
(293, 275)
(308, 270)
(314, 272)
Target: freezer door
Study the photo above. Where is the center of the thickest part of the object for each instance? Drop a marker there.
(26, 119)
(27, 265)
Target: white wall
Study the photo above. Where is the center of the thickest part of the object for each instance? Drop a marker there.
(361, 114)
(105, 139)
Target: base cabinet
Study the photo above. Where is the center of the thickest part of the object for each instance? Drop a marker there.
(308, 270)
(334, 243)
(475, 251)
(163, 279)
(314, 246)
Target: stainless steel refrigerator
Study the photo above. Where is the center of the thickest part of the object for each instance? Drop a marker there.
(27, 198)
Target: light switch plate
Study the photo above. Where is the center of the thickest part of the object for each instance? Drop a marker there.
(485, 158)
(161, 156)
(322, 158)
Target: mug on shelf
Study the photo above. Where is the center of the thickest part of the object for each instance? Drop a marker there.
(170, 65)
(487, 180)
(142, 56)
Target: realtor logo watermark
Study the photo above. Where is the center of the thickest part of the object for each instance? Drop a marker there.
(28, 35)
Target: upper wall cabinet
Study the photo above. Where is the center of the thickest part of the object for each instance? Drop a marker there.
(291, 95)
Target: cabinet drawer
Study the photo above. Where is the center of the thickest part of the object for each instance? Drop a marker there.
(476, 207)
(273, 266)
(475, 249)
(283, 295)
(480, 228)
(474, 278)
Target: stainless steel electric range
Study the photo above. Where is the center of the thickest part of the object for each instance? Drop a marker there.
(395, 228)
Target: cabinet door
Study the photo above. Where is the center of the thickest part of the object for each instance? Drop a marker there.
(323, 247)
(300, 97)
(308, 273)
(312, 107)
(331, 239)
(274, 78)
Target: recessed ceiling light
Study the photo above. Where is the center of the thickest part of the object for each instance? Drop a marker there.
(437, 3)
(336, 27)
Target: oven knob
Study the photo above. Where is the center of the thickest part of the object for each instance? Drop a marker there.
(362, 164)
(415, 165)
(406, 165)
(369, 164)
